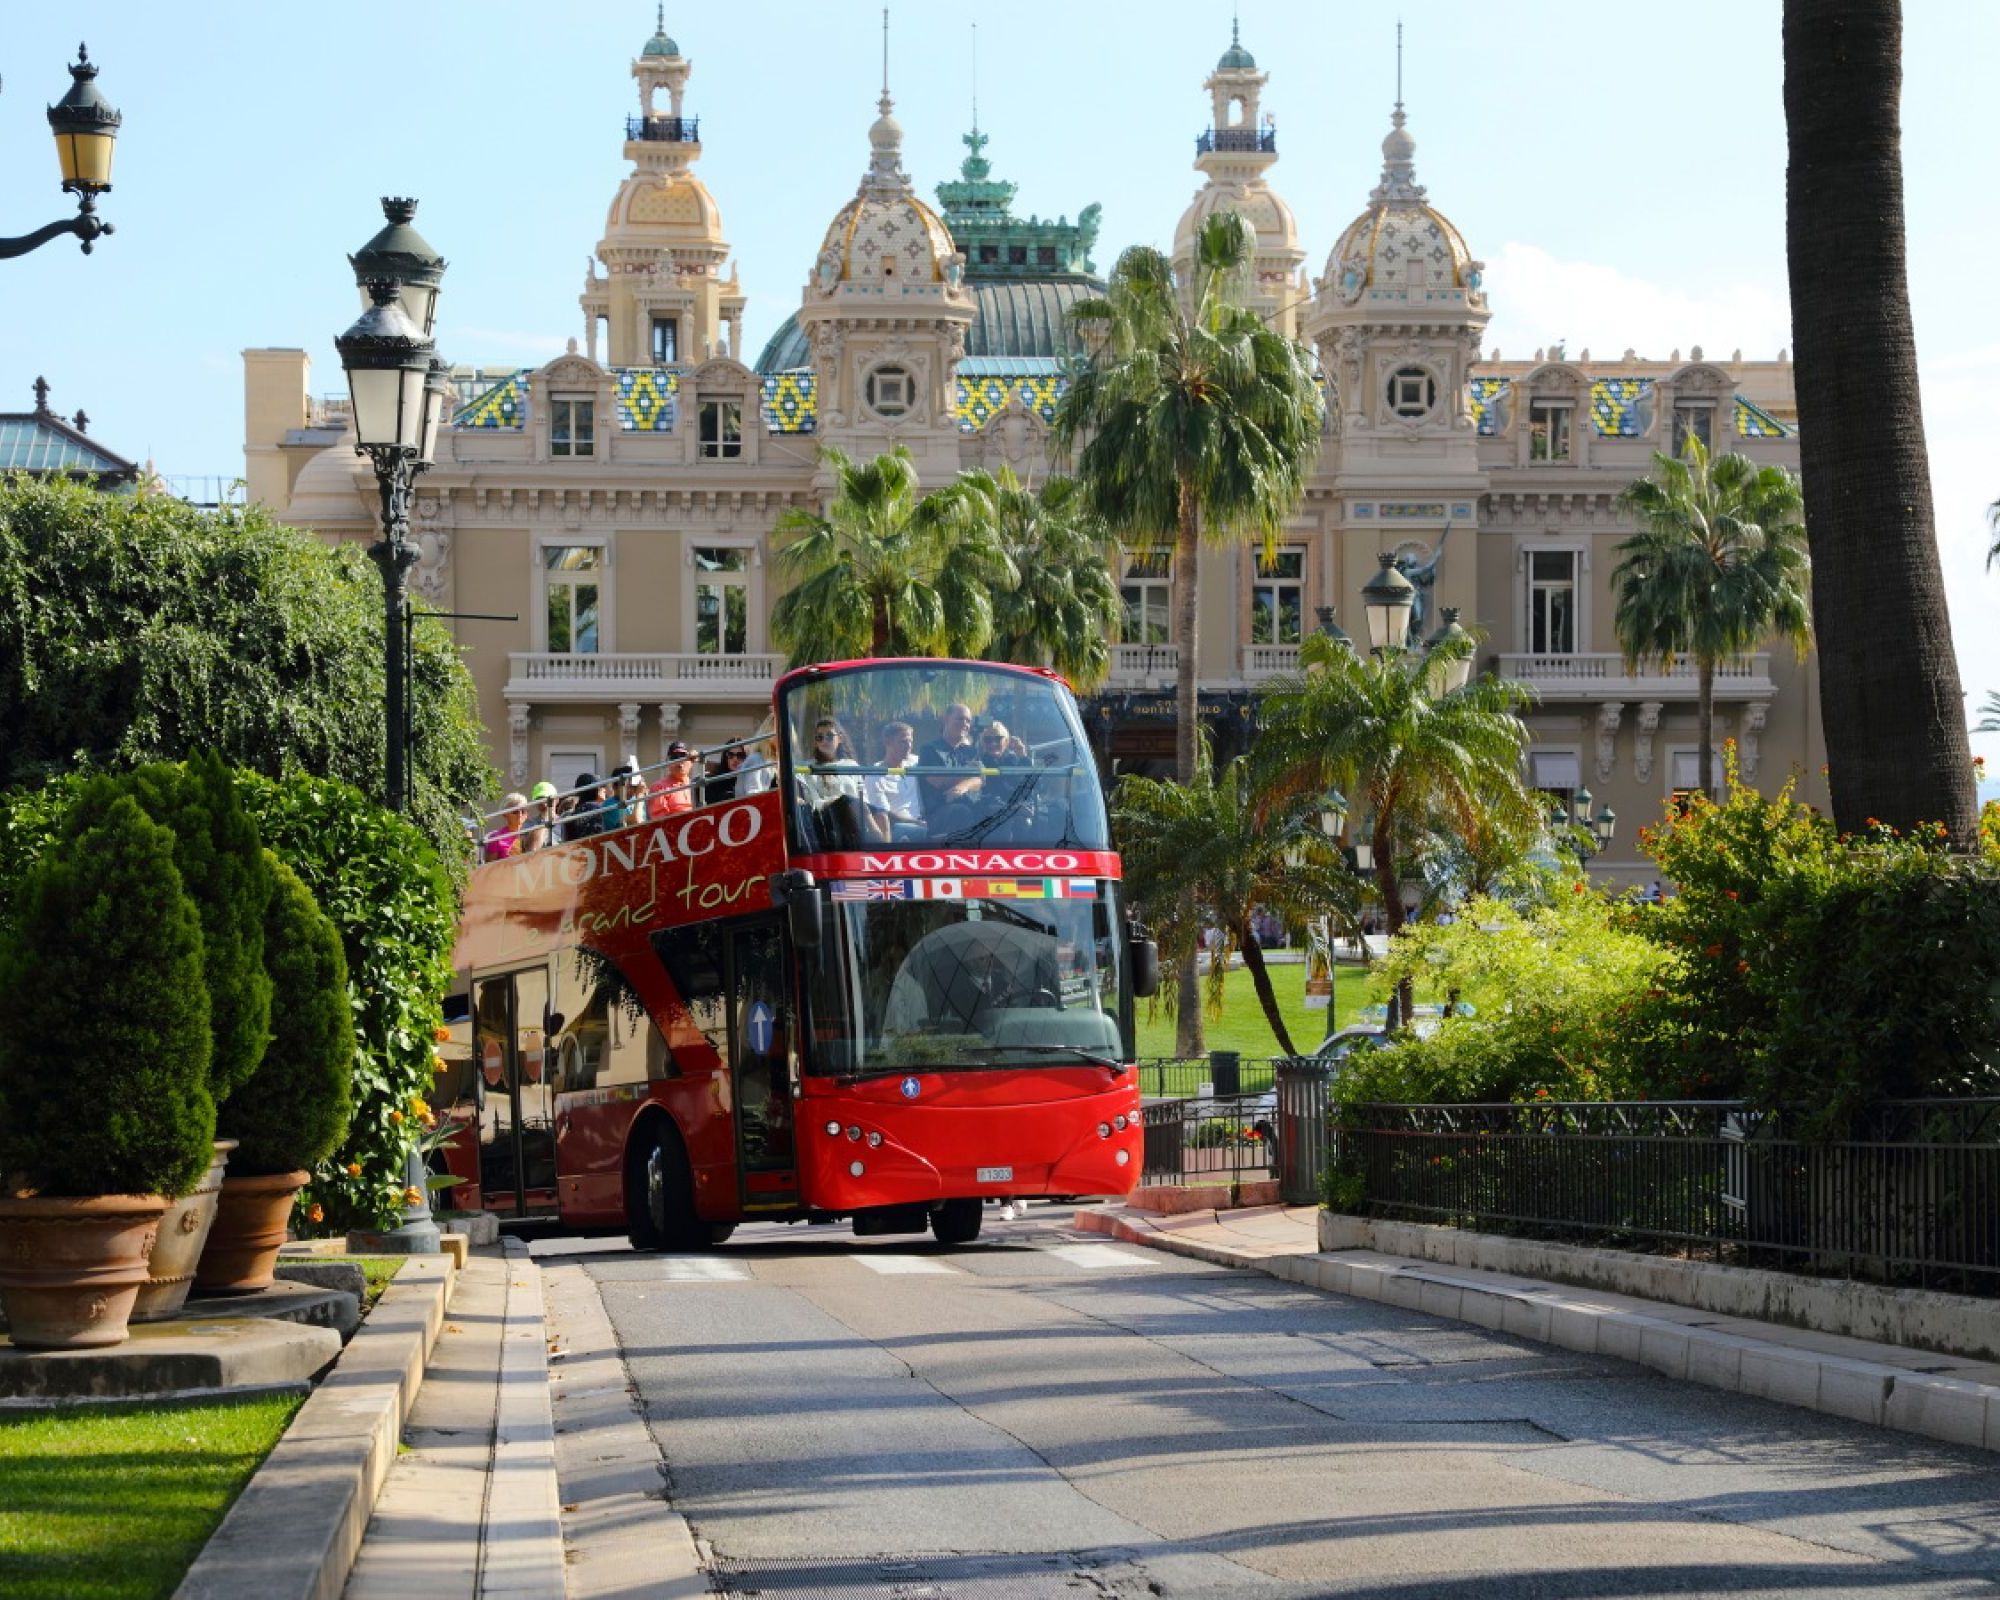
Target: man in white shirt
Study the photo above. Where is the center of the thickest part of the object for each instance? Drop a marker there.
(894, 798)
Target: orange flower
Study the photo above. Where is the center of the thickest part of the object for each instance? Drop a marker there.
(1541, 1094)
(317, 1213)
(1713, 950)
(412, 1195)
(1577, 887)
(396, 1117)
(1742, 966)
(441, 1034)
(1730, 894)
(354, 1169)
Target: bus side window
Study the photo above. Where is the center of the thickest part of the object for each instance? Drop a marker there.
(693, 958)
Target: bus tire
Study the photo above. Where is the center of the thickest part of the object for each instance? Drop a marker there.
(957, 1221)
(663, 1210)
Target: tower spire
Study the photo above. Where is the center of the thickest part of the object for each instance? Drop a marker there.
(885, 56)
(975, 77)
(1399, 71)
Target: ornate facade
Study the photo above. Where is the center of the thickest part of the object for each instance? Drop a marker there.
(619, 499)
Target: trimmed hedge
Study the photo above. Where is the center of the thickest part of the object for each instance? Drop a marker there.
(291, 1112)
(104, 1018)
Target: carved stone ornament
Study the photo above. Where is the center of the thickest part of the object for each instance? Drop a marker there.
(1642, 750)
(670, 718)
(1608, 716)
(628, 721)
(1747, 752)
(518, 715)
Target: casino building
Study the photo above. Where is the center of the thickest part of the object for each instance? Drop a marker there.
(619, 499)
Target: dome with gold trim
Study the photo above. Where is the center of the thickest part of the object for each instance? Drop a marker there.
(1401, 242)
(648, 204)
(885, 234)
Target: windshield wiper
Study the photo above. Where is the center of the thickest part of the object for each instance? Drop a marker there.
(1091, 1056)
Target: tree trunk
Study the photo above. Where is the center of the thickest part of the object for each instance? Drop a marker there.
(1704, 677)
(1260, 976)
(1889, 688)
(1190, 1035)
(880, 645)
(1391, 892)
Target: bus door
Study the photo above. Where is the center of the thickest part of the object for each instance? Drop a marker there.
(517, 1146)
(763, 1054)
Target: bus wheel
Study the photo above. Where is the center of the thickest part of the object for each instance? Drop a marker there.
(665, 1210)
(719, 1232)
(957, 1221)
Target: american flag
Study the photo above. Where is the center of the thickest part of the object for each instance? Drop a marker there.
(872, 889)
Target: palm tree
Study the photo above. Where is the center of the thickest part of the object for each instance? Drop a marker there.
(1194, 418)
(1989, 714)
(885, 572)
(1718, 565)
(1064, 613)
(1410, 756)
(1215, 849)
(1889, 687)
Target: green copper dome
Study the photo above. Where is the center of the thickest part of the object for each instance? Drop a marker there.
(660, 44)
(1236, 56)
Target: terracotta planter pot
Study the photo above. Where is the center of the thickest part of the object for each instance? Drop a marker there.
(70, 1268)
(183, 1232)
(249, 1226)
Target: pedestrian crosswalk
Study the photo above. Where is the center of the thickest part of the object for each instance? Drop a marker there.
(897, 1266)
(738, 1265)
(1105, 1257)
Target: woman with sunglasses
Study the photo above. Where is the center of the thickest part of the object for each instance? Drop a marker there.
(823, 779)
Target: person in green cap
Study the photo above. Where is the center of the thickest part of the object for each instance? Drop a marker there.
(540, 830)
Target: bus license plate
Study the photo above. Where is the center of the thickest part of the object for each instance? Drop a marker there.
(995, 1175)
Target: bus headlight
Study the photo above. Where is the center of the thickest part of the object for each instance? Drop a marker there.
(1123, 1157)
(874, 1141)
(853, 1132)
(1118, 1122)
(833, 1130)
(1104, 1130)
(854, 1168)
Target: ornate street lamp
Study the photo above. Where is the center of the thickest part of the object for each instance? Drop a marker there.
(85, 125)
(401, 255)
(1332, 629)
(1386, 600)
(1449, 676)
(438, 393)
(388, 364)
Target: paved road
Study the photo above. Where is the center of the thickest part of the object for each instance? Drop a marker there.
(1043, 1413)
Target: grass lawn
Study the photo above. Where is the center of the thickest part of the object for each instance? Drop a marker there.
(113, 1503)
(378, 1270)
(1242, 1026)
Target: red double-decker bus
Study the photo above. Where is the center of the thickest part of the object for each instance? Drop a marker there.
(885, 975)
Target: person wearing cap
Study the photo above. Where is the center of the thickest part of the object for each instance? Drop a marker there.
(588, 816)
(539, 833)
(505, 840)
(628, 796)
(674, 792)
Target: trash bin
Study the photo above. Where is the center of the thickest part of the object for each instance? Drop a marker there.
(1225, 1071)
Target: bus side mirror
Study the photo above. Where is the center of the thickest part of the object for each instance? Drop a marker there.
(798, 894)
(1145, 967)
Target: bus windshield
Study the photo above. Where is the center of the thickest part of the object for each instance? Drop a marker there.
(955, 984)
(934, 753)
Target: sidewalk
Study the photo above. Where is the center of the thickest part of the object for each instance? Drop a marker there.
(1953, 1398)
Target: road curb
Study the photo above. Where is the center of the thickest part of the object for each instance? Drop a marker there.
(294, 1531)
(521, 1548)
(1716, 1352)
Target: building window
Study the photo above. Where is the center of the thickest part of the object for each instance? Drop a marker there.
(989, 253)
(890, 391)
(1017, 255)
(1548, 431)
(666, 341)
(572, 427)
(572, 574)
(1693, 421)
(721, 601)
(1552, 602)
(721, 429)
(1556, 775)
(1045, 255)
(1412, 392)
(1684, 767)
(1147, 594)
(1278, 598)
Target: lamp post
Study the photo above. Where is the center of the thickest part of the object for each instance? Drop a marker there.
(388, 364)
(1332, 629)
(1449, 675)
(1581, 833)
(85, 126)
(1386, 600)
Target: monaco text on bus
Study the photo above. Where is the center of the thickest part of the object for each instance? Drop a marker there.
(880, 970)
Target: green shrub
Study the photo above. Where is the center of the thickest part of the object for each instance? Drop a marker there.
(378, 881)
(1553, 992)
(221, 864)
(104, 1025)
(291, 1112)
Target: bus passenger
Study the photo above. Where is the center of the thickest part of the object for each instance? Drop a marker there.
(895, 798)
(540, 832)
(721, 784)
(945, 794)
(824, 780)
(628, 796)
(505, 840)
(759, 771)
(587, 815)
(673, 794)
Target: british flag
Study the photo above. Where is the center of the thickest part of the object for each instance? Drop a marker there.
(872, 889)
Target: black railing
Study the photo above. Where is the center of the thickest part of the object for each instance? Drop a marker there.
(1181, 1077)
(664, 130)
(1210, 1140)
(1912, 1197)
(1246, 139)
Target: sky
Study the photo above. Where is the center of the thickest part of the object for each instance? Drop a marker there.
(1621, 171)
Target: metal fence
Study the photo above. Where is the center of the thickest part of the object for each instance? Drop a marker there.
(1221, 1072)
(1209, 1139)
(1913, 1197)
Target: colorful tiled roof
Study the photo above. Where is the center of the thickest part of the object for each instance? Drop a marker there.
(647, 399)
(980, 399)
(1484, 396)
(1754, 422)
(1616, 405)
(505, 405)
(791, 401)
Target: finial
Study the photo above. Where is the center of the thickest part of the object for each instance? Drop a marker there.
(1235, 26)
(1399, 72)
(660, 18)
(83, 422)
(885, 52)
(975, 77)
(41, 396)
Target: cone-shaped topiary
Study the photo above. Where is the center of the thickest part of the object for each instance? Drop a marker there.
(221, 863)
(291, 1112)
(104, 1027)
